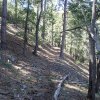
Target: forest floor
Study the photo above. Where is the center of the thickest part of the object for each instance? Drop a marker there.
(36, 77)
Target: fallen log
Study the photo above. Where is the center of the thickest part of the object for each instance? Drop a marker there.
(57, 92)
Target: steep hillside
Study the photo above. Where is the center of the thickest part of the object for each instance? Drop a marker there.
(36, 77)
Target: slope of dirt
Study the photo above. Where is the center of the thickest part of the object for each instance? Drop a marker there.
(36, 77)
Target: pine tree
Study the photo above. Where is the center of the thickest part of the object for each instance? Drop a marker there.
(64, 29)
(3, 25)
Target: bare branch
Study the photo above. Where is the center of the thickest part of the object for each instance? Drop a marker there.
(57, 92)
(72, 29)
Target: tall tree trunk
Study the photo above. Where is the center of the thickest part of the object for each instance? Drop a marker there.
(26, 26)
(90, 81)
(71, 44)
(3, 25)
(98, 60)
(52, 34)
(44, 20)
(92, 70)
(64, 28)
(37, 30)
(98, 76)
(3, 30)
(16, 13)
(52, 22)
(92, 65)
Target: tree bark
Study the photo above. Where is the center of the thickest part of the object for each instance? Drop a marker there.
(44, 20)
(3, 26)
(71, 45)
(52, 34)
(64, 29)
(26, 26)
(98, 76)
(92, 63)
(16, 13)
(92, 70)
(37, 30)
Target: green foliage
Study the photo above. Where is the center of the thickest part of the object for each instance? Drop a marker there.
(75, 39)
(57, 39)
(20, 34)
(79, 11)
(37, 1)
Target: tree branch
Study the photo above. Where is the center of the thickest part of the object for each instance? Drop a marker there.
(72, 29)
(57, 92)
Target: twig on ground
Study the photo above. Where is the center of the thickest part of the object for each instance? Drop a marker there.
(57, 92)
